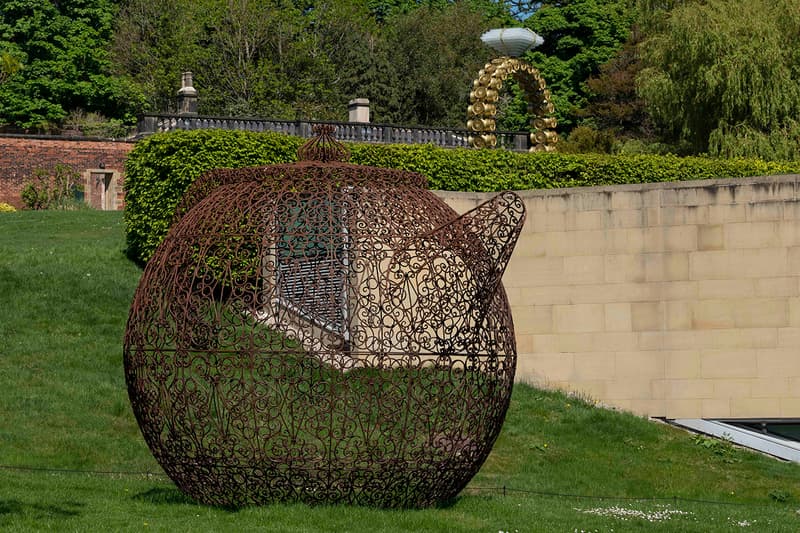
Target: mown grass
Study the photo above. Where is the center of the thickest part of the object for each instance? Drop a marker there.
(566, 465)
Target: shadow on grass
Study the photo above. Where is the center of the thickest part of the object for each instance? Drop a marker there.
(173, 496)
(16, 507)
(164, 496)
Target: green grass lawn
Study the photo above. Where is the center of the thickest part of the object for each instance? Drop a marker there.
(566, 465)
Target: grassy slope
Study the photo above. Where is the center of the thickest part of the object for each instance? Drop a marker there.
(65, 288)
(64, 291)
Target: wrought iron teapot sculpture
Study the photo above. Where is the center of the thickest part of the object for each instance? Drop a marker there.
(324, 332)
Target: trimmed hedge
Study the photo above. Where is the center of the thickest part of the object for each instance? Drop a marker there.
(161, 167)
(498, 170)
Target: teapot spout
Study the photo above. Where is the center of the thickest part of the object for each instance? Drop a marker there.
(455, 271)
(484, 238)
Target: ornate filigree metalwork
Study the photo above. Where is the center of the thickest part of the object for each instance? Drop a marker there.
(323, 332)
(324, 146)
(485, 93)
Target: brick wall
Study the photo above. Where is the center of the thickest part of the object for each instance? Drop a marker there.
(679, 300)
(100, 164)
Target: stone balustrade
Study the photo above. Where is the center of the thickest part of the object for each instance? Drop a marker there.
(345, 131)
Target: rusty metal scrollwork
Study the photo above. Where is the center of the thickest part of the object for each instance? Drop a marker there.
(326, 333)
(324, 146)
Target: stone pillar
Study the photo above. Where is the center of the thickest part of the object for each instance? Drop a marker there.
(187, 96)
(358, 110)
(521, 142)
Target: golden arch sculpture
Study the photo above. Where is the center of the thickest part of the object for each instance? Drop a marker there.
(482, 108)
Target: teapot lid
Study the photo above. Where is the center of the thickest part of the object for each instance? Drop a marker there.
(323, 147)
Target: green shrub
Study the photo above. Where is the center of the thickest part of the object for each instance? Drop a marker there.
(585, 139)
(54, 189)
(161, 167)
(7, 208)
(96, 125)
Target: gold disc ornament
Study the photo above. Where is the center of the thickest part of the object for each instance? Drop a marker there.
(482, 110)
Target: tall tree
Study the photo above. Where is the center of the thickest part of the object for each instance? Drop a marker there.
(251, 46)
(437, 53)
(355, 42)
(613, 102)
(579, 36)
(64, 47)
(249, 57)
(154, 41)
(722, 76)
(307, 58)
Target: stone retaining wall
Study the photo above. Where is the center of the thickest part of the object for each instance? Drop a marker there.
(679, 300)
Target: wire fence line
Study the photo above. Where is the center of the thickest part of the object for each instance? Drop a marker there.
(50, 470)
(508, 491)
(503, 490)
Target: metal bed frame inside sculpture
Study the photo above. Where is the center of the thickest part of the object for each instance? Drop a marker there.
(323, 332)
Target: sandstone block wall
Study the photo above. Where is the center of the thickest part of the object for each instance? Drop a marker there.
(679, 300)
(100, 164)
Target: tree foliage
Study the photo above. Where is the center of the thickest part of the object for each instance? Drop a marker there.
(579, 36)
(153, 42)
(415, 61)
(361, 57)
(715, 76)
(306, 59)
(9, 65)
(437, 67)
(613, 103)
(722, 76)
(64, 49)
